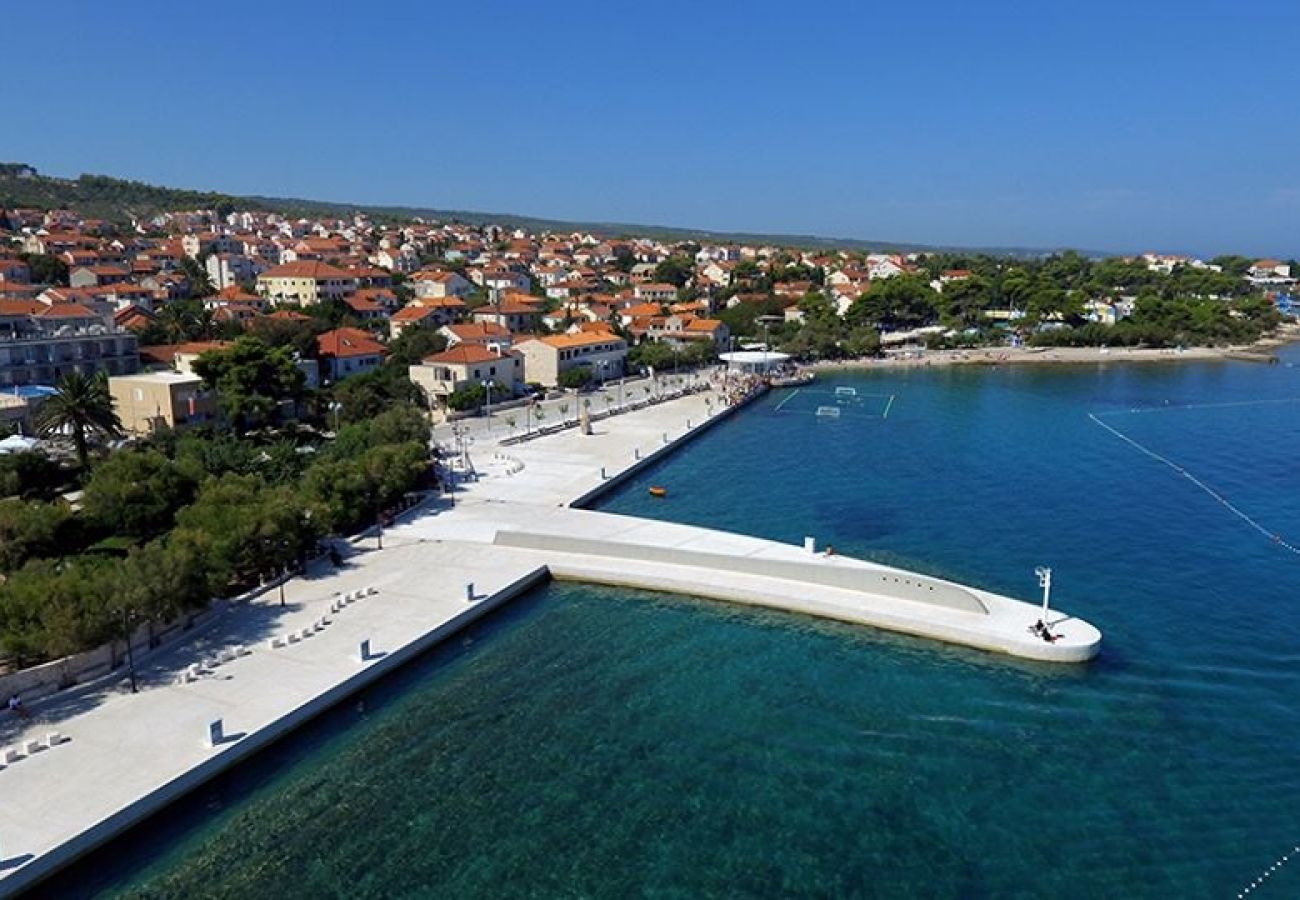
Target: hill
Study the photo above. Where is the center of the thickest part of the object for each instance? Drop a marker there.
(120, 200)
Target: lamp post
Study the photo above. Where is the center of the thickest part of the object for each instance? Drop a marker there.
(130, 655)
(488, 404)
(1045, 582)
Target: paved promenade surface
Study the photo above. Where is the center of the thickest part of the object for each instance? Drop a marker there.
(126, 754)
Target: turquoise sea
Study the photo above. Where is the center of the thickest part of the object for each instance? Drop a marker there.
(604, 743)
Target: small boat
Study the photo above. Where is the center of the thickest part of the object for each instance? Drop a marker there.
(657, 491)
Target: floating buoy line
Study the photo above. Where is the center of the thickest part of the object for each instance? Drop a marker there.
(1268, 873)
(1227, 504)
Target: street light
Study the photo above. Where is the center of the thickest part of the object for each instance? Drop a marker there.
(130, 656)
(1045, 582)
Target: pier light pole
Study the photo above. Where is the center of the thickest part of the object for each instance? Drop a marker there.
(1045, 582)
(488, 387)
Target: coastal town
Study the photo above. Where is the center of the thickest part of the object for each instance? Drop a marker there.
(228, 430)
(156, 371)
(482, 314)
(513, 450)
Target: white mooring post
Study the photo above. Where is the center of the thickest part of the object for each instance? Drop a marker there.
(1045, 582)
(810, 545)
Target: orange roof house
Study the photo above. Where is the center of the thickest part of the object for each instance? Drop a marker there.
(347, 351)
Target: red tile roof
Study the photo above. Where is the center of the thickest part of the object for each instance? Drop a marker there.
(348, 342)
(310, 268)
(465, 354)
(67, 311)
(414, 313)
(478, 331)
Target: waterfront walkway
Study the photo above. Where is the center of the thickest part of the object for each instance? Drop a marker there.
(510, 526)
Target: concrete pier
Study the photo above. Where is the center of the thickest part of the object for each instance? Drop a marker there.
(121, 757)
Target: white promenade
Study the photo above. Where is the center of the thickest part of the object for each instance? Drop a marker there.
(126, 755)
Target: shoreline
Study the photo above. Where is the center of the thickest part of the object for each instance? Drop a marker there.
(508, 529)
(997, 356)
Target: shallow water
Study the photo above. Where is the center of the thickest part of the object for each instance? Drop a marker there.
(598, 742)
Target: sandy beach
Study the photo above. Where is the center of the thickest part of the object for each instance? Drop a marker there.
(1260, 351)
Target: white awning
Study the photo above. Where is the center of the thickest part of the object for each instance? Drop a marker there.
(16, 443)
(755, 360)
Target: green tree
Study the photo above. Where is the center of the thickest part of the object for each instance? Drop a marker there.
(675, 270)
(904, 301)
(577, 377)
(163, 580)
(246, 529)
(471, 396)
(251, 380)
(30, 529)
(180, 321)
(29, 474)
(298, 337)
(82, 407)
(137, 493)
(624, 259)
(413, 345)
(965, 301)
(366, 395)
(196, 274)
(400, 425)
(50, 609)
(46, 269)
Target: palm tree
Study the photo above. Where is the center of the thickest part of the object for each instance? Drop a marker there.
(82, 406)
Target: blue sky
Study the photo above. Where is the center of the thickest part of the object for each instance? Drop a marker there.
(1125, 126)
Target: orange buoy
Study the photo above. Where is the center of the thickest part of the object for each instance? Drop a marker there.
(657, 491)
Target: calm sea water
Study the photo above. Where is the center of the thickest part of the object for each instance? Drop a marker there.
(608, 743)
